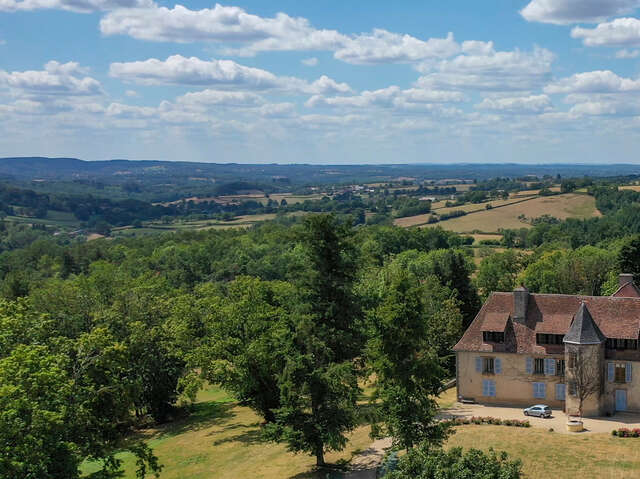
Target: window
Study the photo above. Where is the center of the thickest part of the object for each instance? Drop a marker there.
(542, 338)
(560, 392)
(573, 389)
(621, 373)
(488, 388)
(572, 360)
(560, 367)
(538, 367)
(487, 366)
(539, 390)
(621, 344)
(492, 337)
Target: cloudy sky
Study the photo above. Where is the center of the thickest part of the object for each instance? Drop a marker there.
(285, 81)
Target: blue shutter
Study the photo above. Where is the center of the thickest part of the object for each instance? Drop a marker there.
(497, 366)
(552, 367)
(547, 366)
(560, 392)
(478, 364)
(485, 387)
(611, 371)
(492, 388)
(628, 372)
(539, 390)
(529, 365)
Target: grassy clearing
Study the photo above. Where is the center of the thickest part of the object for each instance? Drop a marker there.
(222, 439)
(490, 221)
(550, 454)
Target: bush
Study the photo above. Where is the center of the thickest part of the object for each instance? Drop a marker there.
(495, 421)
(626, 432)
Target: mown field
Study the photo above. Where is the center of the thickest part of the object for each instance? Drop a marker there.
(221, 439)
(569, 205)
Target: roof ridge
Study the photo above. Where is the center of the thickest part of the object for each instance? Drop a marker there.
(573, 295)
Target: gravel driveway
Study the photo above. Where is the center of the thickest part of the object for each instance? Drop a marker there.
(558, 421)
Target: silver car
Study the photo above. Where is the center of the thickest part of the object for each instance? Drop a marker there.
(539, 410)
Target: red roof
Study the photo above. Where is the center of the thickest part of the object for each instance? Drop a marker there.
(617, 317)
(627, 290)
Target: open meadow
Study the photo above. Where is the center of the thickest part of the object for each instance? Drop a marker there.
(569, 205)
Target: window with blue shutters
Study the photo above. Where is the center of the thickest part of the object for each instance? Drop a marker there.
(628, 372)
(611, 370)
(560, 392)
(478, 364)
(488, 388)
(529, 366)
(497, 366)
(539, 390)
(549, 367)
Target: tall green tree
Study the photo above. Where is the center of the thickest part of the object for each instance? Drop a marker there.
(499, 272)
(319, 383)
(405, 362)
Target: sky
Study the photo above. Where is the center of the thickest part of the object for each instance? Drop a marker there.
(328, 82)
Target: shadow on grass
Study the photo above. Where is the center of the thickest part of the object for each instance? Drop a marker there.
(251, 435)
(202, 415)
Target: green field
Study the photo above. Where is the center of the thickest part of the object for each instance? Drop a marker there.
(222, 439)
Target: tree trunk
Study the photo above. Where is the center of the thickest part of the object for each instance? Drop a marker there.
(320, 457)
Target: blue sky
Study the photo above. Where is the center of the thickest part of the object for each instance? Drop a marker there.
(532, 81)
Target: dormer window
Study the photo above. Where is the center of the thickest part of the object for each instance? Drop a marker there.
(492, 337)
(622, 344)
(542, 338)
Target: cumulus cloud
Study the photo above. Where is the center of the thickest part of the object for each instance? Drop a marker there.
(310, 62)
(493, 71)
(81, 6)
(206, 98)
(601, 81)
(179, 70)
(563, 12)
(56, 79)
(526, 104)
(219, 24)
(617, 33)
(382, 46)
(392, 96)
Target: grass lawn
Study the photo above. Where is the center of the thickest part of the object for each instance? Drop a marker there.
(555, 455)
(221, 439)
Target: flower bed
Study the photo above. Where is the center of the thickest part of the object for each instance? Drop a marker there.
(625, 432)
(489, 420)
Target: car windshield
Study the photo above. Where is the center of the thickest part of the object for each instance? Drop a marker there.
(547, 408)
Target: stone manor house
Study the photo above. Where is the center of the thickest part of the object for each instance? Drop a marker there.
(521, 349)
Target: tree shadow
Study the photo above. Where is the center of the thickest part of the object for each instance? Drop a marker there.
(201, 415)
(251, 436)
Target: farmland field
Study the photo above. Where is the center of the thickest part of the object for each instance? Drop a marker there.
(490, 221)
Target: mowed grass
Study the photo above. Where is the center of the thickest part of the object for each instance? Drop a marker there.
(490, 221)
(223, 440)
(556, 455)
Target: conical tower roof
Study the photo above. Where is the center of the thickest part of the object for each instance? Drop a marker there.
(584, 329)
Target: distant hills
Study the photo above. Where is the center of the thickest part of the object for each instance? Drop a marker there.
(121, 171)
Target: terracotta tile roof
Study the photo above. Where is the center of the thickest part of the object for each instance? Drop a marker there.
(495, 322)
(616, 317)
(627, 290)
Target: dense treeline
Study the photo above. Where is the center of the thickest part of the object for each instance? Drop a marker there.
(101, 337)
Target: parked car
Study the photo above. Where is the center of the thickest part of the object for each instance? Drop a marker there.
(539, 410)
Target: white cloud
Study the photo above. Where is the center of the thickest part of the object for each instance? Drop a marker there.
(310, 62)
(563, 12)
(382, 46)
(624, 53)
(208, 98)
(219, 24)
(528, 104)
(602, 81)
(494, 71)
(390, 97)
(131, 93)
(179, 70)
(619, 32)
(81, 6)
(606, 107)
(56, 79)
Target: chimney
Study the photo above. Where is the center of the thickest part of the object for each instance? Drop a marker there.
(520, 304)
(624, 278)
